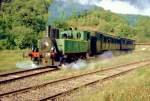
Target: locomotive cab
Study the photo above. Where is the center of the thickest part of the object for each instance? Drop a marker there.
(73, 44)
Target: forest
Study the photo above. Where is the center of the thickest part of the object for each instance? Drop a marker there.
(23, 23)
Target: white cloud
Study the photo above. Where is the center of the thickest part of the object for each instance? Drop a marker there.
(117, 6)
(122, 7)
(82, 2)
(146, 12)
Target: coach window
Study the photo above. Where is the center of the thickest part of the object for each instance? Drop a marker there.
(88, 36)
(65, 35)
(104, 39)
(78, 35)
(107, 40)
(70, 35)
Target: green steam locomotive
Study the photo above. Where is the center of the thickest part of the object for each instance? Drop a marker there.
(70, 45)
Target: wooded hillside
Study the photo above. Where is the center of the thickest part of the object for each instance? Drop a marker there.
(23, 22)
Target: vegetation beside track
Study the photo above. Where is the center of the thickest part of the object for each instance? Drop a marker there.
(9, 58)
(133, 87)
(111, 92)
(100, 63)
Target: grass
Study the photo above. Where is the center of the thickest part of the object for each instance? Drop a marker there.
(9, 58)
(133, 87)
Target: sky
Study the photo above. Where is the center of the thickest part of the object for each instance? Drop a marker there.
(62, 9)
(140, 7)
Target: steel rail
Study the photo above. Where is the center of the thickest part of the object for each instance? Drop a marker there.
(51, 68)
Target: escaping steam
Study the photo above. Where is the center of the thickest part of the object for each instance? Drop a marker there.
(106, 55)
(26, 65)
(97, 62)
(82, 64)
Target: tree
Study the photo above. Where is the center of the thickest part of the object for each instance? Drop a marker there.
(25, 39)
(17, 15)
(143, 30)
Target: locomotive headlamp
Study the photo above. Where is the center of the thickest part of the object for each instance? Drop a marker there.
(46, 44)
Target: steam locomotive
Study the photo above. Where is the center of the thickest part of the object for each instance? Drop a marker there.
(70, 45)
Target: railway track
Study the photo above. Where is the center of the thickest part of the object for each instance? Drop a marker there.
(142, 43)
(53, 89)
(12, 76)
(121, 70)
